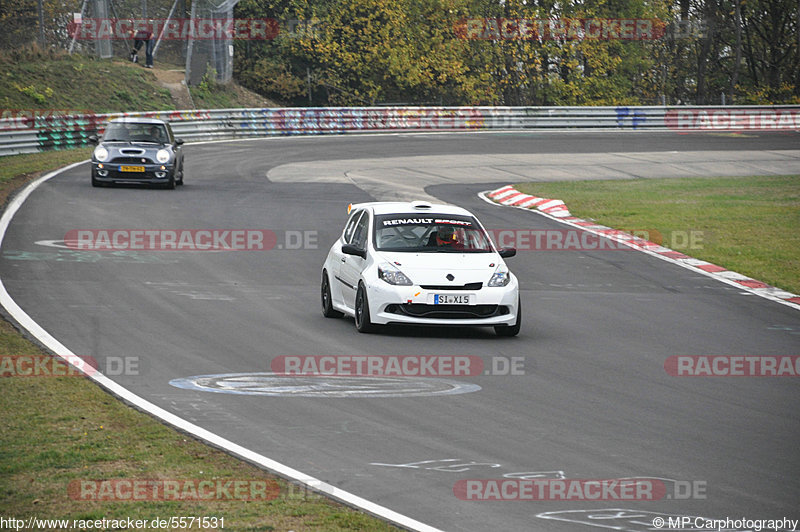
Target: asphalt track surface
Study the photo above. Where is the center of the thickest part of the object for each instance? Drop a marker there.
(594, 402)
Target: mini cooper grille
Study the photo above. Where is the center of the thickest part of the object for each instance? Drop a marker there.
(468, 286)
(450, 312)
(130, 160)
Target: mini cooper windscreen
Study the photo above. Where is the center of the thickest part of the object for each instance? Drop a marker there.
(133, 132)
(430, 234)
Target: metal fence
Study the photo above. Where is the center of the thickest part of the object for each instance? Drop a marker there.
(29, 134)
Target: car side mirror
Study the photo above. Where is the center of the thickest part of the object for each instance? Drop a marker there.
(178, 142)
(93, 139)
(350, 249)
(508, 252)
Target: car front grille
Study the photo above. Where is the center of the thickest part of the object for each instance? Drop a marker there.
(450, 312)
(130, 160)
(468, 286)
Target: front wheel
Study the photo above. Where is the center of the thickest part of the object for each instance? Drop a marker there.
(327, 304)
(511, 330)
(363, 323)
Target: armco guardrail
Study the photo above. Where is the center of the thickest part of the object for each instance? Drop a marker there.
(28, 134)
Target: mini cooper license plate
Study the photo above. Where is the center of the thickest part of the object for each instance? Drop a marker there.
(131, 168)
(452, 299)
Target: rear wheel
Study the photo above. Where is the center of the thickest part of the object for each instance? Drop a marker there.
(327, 304)
(511, 330)
(363, 323)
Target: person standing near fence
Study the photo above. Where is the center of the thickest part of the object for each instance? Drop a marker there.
(143, 35)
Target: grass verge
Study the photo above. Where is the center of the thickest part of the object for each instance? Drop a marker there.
(35, 79)
(746, 224)
(59, 431)
(17, 169)
(209, 94)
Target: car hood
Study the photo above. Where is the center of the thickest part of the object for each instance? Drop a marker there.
(117, 146)
(433, 268)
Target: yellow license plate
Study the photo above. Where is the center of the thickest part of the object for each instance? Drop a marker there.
(131, 168)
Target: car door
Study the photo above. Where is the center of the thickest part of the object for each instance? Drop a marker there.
(178, 149)
(337, 259)
(351, 266)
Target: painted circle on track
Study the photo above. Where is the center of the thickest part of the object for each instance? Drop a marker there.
(275, 385)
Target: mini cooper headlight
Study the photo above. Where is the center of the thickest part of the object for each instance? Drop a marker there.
(100, 153)
(501, 277)
(392, 275)
(162, 156)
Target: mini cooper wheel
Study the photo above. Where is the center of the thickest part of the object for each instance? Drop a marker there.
(363, 323)
(327, 304)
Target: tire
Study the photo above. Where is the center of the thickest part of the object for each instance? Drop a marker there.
(170, 183)
(180, 181)
(511, 330)
(363, 323)
(327, 303)
(96, 183)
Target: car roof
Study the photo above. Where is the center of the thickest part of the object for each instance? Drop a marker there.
(413, 207)
(137, 120)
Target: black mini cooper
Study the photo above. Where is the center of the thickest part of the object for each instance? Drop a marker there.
(137, 151)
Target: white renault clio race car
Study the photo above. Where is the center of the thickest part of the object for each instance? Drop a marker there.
(421, 264)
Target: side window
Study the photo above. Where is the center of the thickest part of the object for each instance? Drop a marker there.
(360, 234)
(350, 227)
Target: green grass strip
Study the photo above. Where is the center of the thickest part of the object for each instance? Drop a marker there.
(750, 225)
(17, 166)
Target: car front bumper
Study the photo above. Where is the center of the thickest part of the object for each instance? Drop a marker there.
(153, 174)
(414, 305)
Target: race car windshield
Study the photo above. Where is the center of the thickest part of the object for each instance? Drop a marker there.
(134, 132)
(430, 233)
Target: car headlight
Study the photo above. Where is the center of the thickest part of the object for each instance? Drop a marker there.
(392, 275)
(100, 153)
(501, 277)
(162, 156)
